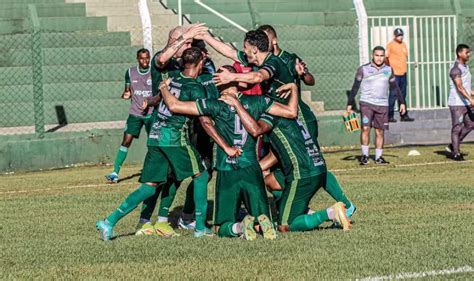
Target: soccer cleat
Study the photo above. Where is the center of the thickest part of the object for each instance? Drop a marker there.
(449, 148)
(106, 231)
(351, 210)
(458, 157)
(364, 160)
(164, 229)
(340, 216)
(381, 160)
(187, 225)
(248, 229)
(145, 229)
(406, 118)
(267, 227)
(206, 232)
(112, 177)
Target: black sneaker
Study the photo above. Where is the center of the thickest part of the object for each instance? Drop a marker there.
(406, 118)
(392, 120)
(458, 157)
(380, 160)
(364, 160)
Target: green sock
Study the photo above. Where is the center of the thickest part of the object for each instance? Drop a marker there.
(225, 230)
(149, 205)
(309, 222)
(131, 202)
(200, 199)
(189, 205)
(167, 197)
(334, 189)
(121, 155)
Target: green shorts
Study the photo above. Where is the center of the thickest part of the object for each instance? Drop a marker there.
(234, 187)
(135, 123)
(184, 162)
(296, 197)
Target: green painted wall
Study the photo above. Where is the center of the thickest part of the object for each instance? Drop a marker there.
(57, 150)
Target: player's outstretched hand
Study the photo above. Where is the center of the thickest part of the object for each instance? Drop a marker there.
(349, 109)
(222, 77)
(126, 95)
(300, 67)
(403, 109)
(144, 105)
(165, 83)
(233, 151)
(196, 30)
(229, 99)
(285, 90)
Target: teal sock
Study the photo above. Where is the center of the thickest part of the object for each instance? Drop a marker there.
(309, 222)
(149, 205)
(189, 205)
(200, 199)
(225, 230)
(277, 194)
(167, 197)
(121, 155)
(334, 189)
(131, 202)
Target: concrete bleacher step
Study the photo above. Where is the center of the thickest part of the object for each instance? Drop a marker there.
(120, 23)
(24, 2)
(72, 56)
(110, 9)
(55, 24)
(335, 4)
(15, 11)
(281, 18)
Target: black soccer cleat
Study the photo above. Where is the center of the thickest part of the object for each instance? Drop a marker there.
(381, 160)
(458, 157)
(406, 118)
(364, 160)
(392, 120)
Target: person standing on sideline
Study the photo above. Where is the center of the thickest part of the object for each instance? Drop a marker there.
(397, 55)
(460, 101)
(137, 89)
(374, 80)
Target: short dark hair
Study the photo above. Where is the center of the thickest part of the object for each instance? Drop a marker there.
(192, 56)
(228, 67)
(268, 28)
(141, 51)
(461, 48)
(378, 48)
(257, 38)
(198, 43)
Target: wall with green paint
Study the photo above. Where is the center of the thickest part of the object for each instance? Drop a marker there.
(57, 150)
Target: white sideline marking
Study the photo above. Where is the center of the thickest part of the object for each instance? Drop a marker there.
(335, 170)
(406, 275)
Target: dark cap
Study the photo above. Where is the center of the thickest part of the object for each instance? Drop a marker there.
(398, 32)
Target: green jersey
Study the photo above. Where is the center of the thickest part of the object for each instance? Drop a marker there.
(229, 126)
(297, 152)
(277, 70)
(206, 79)
(170, 129)
(158, 75)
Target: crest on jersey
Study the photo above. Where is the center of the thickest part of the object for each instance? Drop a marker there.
(148, 82)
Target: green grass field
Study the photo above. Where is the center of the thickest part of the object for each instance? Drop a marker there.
(414, 215)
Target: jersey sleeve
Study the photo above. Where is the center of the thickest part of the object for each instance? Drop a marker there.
(242, 57)
(127, 77)
(210, 107)
(198, 92)
(269, 119)
(455, 73)
(271, 67)
(359, 74)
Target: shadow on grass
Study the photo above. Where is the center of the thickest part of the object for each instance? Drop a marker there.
(130, 177)
(448, 155)
(358, 157)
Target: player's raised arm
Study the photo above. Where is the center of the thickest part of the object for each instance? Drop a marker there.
(209, 127)
(254, 77)
(268, 161)
(304, 72)
(177, 38)
(221, 47)
(289, 110)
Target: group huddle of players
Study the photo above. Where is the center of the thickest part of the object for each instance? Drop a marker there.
(246, 122)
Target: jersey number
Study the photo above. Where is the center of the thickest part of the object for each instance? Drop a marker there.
(239, 130)
(163, 109)
(304, 130)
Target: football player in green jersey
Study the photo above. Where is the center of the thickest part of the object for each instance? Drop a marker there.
(303, 166)
(238, 178)
(169, 147)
